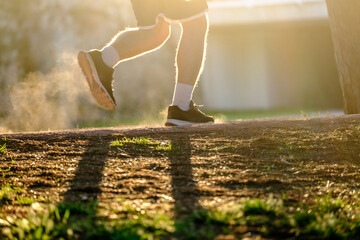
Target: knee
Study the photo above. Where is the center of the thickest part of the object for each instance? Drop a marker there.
(162, 29)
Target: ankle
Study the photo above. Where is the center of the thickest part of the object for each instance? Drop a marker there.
(110, 56)
(182, 96)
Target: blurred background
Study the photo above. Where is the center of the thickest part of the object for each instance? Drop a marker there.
(266, 58)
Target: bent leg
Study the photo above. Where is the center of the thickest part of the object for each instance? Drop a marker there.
(132, 43)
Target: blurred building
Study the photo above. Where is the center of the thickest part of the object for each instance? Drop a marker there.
(266, 54)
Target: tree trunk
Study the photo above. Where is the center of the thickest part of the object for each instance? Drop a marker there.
(344, 18)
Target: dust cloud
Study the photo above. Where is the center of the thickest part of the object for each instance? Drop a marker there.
(44, 101)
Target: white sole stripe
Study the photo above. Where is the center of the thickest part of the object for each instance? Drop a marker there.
(185, 123)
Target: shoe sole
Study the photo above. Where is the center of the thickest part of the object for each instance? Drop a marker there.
(176, 122)
(96, 87)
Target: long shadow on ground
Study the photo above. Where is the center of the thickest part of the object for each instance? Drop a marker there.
(85, 186)
(184, 190)
(89, 174)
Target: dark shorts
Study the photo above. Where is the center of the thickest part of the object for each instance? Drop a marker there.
(147, 11)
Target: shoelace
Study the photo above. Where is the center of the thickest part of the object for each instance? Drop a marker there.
(195, 106)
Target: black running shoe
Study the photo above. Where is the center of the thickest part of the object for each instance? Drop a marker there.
(99, 77)
(178, 117)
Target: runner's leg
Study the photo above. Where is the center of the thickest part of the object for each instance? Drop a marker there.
(190, 59)
(132, 43)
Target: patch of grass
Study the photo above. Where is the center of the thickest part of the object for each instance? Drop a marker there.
(144, 143)
(78, 221)
(41, 223)
(327, 218)
(164, 147)
(270, 207)
(158, 221)
(25, 201)
(12, 195)
(3, 148)
(328, 204)
(117, 143)
(8, 193)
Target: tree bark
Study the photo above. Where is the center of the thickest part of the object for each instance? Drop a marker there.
(344, 18)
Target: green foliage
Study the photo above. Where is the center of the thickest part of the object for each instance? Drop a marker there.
(3, 148)
(271, 218)
(8, 193)
(327, 218)
(270, 207)
(24, 200)
(329, 205)
(144, 225)
(41, 223)
(78, 221)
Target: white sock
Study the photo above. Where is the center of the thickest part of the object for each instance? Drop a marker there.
(110, 56)
(182, 96)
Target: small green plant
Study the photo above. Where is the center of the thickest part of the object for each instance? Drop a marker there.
(41, 223)
(117, 143)
(8, 193)
(164, 147)
(329, 205)
(259, 207)
(3, 148)
(25, 201)
(12, 195)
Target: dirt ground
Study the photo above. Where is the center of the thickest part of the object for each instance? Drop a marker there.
(208, 165)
